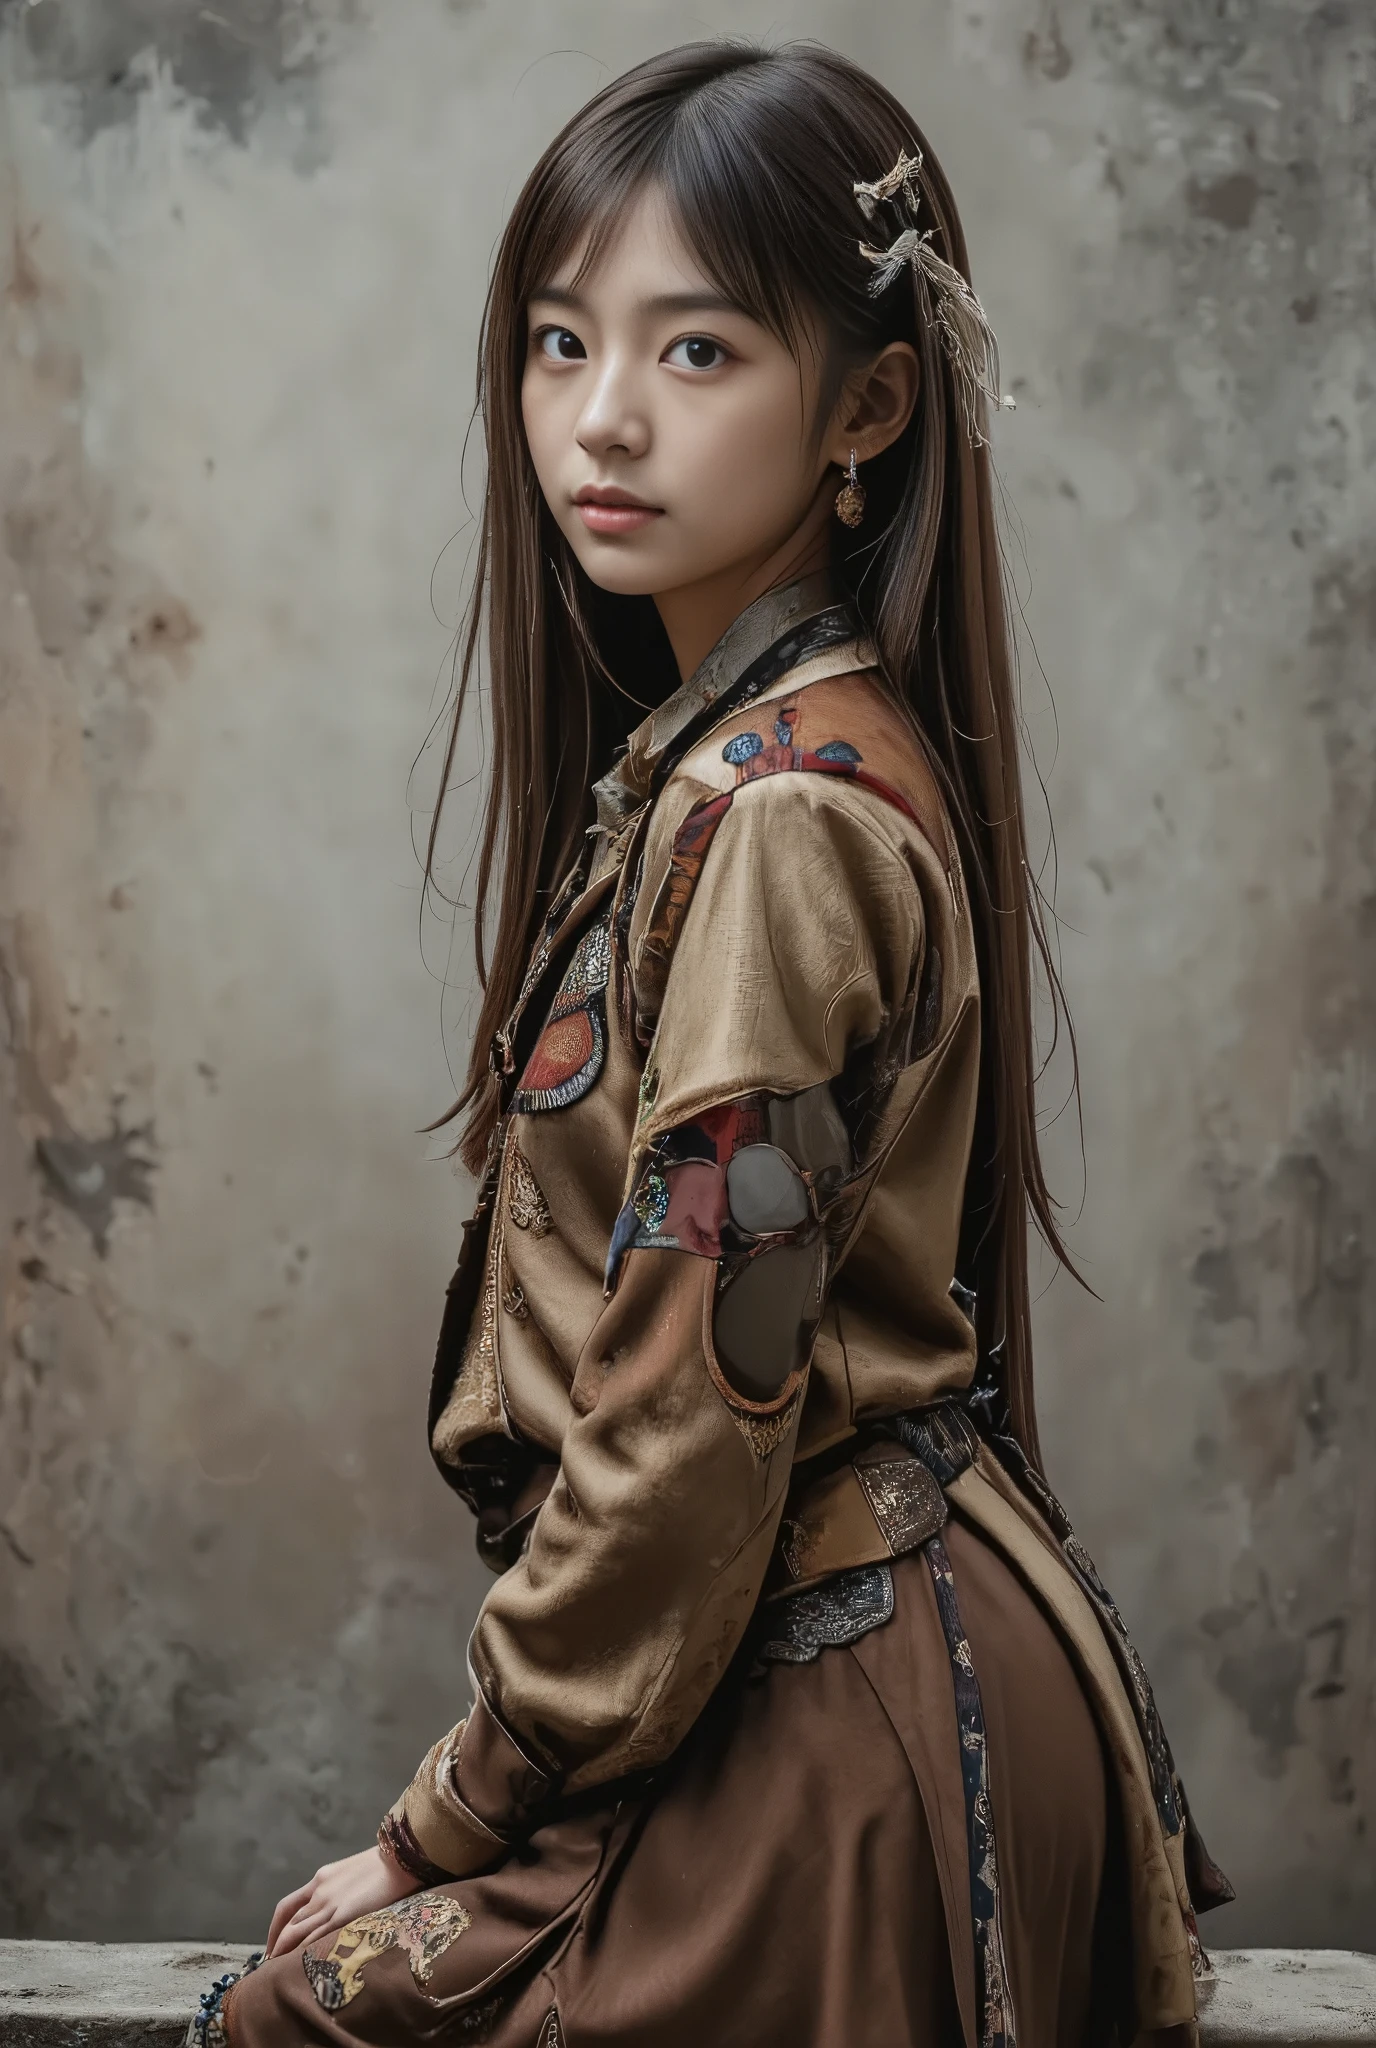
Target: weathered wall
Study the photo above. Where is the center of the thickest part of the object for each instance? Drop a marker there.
(245, 249)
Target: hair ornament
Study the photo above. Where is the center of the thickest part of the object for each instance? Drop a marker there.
(969, 341)
(902, 178)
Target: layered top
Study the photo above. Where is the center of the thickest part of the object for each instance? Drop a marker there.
(717, 1241)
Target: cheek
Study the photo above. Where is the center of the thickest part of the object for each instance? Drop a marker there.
(549, 413)
(742, 461)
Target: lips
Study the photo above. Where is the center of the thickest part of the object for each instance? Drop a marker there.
(606, 509)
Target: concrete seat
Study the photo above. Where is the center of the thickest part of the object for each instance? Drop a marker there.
(92, 1994)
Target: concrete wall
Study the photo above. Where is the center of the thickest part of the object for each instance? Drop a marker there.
(243, 255)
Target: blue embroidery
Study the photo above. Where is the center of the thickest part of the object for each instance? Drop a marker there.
(839, 750)
(742, 748)
(207, 2029)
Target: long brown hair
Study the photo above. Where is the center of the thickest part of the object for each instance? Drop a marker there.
(757, 151)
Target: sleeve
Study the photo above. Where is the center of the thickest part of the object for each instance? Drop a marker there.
(594, 1654)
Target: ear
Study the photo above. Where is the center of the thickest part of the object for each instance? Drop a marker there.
(875, 405)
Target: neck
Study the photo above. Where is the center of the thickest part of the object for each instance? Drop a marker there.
(697, 614)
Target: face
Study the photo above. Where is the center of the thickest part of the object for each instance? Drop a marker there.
(673, 436)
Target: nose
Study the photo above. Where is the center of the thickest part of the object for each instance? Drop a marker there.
(613, 420)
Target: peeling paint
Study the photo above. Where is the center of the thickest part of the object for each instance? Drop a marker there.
(91, 1175)
(230, 59)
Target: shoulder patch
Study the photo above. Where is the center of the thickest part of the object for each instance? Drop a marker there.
(842, 724)
(570, 1051)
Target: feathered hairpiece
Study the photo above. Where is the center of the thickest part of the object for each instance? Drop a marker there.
(961, 321)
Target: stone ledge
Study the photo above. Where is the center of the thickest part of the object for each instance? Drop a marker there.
(92, 1994)
(1320, 1997)
(105, 1994)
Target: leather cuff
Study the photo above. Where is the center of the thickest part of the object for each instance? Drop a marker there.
(498, 1783)
(448, 1834)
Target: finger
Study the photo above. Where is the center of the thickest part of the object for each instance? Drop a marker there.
(310, 1915)
(302, 1929)
(287, 1908)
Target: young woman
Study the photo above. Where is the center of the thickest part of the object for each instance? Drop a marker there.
(799, 1715)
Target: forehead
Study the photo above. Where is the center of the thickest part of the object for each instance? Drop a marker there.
(640, 253)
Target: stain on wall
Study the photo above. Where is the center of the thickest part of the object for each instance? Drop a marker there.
(228, 60)
(244, 254)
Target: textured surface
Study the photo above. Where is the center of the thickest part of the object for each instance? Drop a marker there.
(1318, 1996)
(241, 263)
(58, 1994)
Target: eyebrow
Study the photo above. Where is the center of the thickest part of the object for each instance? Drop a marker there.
(663, 302)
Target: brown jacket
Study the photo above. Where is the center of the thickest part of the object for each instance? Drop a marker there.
(719, 1241)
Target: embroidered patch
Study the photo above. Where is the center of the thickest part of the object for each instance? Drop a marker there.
(570, 1050)
(763, 1433)
(525, 1204)
(739, 750)
(826, 1617)
(839, 750)
(678, 1200)
(423, 1926)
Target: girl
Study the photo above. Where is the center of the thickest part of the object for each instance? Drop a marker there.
(799, 1713)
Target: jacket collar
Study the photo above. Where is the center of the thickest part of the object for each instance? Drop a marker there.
(776, 633)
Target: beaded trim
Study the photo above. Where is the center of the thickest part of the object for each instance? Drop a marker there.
(207, 2028)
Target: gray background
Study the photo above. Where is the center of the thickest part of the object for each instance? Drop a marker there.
(241, 264)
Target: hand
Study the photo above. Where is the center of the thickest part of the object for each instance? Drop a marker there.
(337, 1893)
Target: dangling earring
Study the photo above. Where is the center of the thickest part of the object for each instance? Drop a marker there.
(850, 499)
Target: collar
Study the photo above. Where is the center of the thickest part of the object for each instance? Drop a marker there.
(774, 635)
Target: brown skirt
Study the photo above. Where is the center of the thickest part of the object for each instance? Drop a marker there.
(797, 1875)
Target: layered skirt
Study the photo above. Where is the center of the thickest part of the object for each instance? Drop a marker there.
(891, 1830)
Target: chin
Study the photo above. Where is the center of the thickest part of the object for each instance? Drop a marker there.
(621, 571)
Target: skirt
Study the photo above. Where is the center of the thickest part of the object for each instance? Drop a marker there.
(812, 1869)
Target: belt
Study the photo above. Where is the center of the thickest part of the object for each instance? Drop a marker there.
(888, 1499)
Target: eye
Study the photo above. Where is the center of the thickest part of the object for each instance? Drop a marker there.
(560, 345)
(696, 352)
